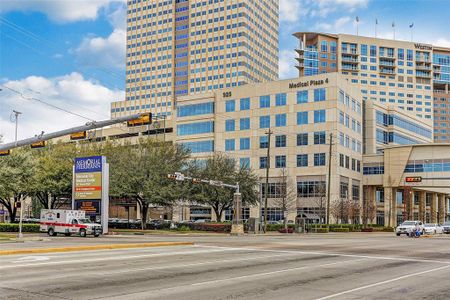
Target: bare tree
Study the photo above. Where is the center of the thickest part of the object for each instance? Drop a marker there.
(369, 209)
(321, 200)
(340, 210)
(288, 195)
(354, 211)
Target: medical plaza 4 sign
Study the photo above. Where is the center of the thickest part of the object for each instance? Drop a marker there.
(88, 177)
(90, 189)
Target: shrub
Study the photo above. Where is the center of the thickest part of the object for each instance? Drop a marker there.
(212, 227)
(14, 227)
(284, 230)
(183, 228)
(368, 229)
(321, 230)
(337, 229)
(277, 227)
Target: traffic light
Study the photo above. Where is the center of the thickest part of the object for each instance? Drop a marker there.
(40, 144)
(196, 180)
(172, 176)
(5, 152)
(144, 119)
(78, 136)
(413, 179)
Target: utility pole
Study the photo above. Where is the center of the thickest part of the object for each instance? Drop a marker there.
(329, 180)
(16, 120)
(266, 188)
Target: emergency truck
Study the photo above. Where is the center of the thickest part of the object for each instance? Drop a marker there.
(68, 222)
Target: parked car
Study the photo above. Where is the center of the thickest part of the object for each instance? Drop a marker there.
(446, 227)
(202, 221)
(432, 228)
(408, 227)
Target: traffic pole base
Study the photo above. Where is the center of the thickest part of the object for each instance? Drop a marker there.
(237, 229)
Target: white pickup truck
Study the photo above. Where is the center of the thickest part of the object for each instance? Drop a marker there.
(409, 227)
(67, 222)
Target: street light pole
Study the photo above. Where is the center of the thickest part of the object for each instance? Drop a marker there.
(16, 119)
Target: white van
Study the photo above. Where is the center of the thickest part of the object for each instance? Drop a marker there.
(54, 221)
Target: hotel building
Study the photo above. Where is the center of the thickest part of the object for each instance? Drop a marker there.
(179, 47)
(410, 76)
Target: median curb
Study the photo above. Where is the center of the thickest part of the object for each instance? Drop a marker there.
(94, 247)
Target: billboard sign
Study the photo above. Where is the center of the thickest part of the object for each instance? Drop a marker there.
(88, 178)
(90, 207)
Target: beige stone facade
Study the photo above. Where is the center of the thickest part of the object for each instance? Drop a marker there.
(177, 48)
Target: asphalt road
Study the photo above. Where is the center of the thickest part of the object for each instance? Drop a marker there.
(334, 266)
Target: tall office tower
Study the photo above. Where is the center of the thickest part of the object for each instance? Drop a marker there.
(408, 76)
(179, 47)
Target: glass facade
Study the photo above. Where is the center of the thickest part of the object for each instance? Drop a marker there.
(195, 109)
(199, 147)
(195, 128)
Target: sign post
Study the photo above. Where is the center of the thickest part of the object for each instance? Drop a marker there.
(90, 190)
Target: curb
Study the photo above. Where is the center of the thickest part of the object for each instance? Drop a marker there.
(95, 247)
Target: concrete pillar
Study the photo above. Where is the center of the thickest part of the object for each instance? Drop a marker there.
(441, 208)
(409, 200)
(446, 207)
(237, 227)
(422, 200)
(433, 208)
(390, 204)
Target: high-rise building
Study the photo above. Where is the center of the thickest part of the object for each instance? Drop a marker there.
(410, 76)
(179, 47)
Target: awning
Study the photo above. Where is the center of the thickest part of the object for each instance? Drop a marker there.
(309, 216)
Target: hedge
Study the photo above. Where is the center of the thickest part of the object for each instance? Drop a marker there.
(276, 227)
(337, 229)
(214, 227)
(14, 227)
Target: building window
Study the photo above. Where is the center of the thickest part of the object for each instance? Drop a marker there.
(264, 101)
(302, 97)
(199, 147)
(264, 122)
(302, 139)
(229, 145)
(263, 162)
(230, 105)
(244, 162)
(195, 128)
(195, 109)
(302, 160)
(280, 120)
(280, 141)
(244, 124)
(344, 190)
(263, 142)
(319, 138)
(302, 118)
(274, 190)
(309, 189)
(319, 94)
(355, 192)
(319, 159)
(245, 104)
(280, 161)
(244, 143)
(280, 99)
(319, 116)
(229, 125)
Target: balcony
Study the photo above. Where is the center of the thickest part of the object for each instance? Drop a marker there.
(387, 71)
(349, 59)
(423, 75)
(423, 67)
(350, 52)
(350, 67)
(387, 57)
(388, 64)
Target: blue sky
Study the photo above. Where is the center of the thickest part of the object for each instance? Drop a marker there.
(70, 53)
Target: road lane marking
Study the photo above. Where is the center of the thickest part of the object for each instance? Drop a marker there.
(382, 282)
(76, 261)
(333, 254)
(274, 272)
(28, 259)
(199, 284)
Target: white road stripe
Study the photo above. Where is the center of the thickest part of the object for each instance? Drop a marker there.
(382, 282)
(334, 254)
(76, 261)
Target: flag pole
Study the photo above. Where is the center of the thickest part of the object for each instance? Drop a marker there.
(376, 25)
(357, 25)
(393, 27)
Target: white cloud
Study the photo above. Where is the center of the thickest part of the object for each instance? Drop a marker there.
(71, 92)
(442, 42)
(62, 11)
(337, 26)
(287, 64)
(292, 10)
(103, 52)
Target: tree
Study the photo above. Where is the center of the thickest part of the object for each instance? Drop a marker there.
(321, 200)
(52, 184)
(354, 211)
(16, 178)
(369, 209)
(288, 195)
(339, 210)
(222, 168)
(140, 172)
